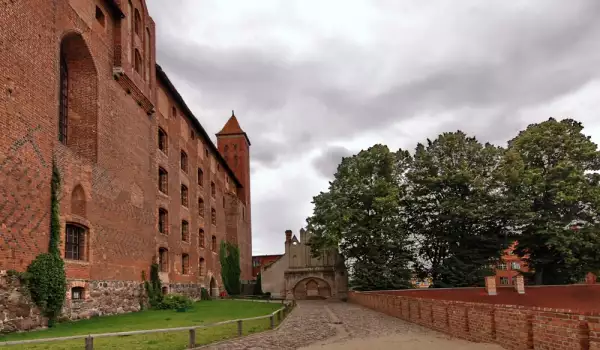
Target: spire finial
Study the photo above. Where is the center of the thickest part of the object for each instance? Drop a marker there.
(232, 113)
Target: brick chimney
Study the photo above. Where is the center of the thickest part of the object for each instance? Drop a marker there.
(288, 236)
(520, 284)
(490, 285)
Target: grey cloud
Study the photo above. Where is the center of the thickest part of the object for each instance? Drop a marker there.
(327, 163)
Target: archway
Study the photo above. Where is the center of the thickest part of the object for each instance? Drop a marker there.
(78, 114)
(312, 288)
(214, 291)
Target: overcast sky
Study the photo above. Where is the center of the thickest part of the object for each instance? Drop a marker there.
(314, 80)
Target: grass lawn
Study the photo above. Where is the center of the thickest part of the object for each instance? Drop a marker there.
(204, 312)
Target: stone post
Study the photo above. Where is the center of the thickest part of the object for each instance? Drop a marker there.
(520, 284)
(490, 285)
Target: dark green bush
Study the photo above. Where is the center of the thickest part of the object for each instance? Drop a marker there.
(154, 288)
(204, 294)
(176, 302)
(47, 284)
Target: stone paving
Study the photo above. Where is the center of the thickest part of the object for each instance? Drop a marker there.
(335, 325)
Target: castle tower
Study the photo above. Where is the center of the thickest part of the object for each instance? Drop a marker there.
(234, 146)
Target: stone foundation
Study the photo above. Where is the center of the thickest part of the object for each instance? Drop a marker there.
(84, 299)
(17, 311)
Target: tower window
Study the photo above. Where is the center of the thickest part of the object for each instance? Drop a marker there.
(201, 207)
(185, 231)
(201, 238)
(213, 216)
(201, 266)
(100, 16)
(185, 264)
(75, 242)
(200, 177)
(163, 221)
(184, 161)
(138, 61)
(184, 195)
(213, 243)
(173, 112)
(213, 189)
(138, 22)
(163, 180)
(162, 140)
(163, 259)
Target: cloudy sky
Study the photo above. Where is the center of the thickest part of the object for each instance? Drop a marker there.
(313, 80)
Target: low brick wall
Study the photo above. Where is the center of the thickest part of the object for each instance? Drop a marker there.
(511, 326)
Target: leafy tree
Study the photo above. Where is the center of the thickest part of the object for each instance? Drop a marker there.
(549, 172)
(454, 210)
(360, 216)
(229, 255)
(153, 287)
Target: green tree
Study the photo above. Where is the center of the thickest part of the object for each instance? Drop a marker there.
(551, 181)
(454, 210)
(360, 216)
(229, 255)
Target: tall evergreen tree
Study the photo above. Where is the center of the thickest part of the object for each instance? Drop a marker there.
(551, 181)
(454, 210)
(360, 215)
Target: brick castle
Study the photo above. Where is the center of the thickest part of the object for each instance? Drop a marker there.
(141, 179)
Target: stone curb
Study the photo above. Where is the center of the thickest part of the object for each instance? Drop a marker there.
(205, 346)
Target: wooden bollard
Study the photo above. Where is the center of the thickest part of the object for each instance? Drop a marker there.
(192, 343)
(278, 316)
(272, 319)
(89, 343)
(240, 330)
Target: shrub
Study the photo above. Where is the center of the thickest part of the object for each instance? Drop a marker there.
(229, 256)
(204, 294)
(47, 284)
(154, 288)
(176, 302)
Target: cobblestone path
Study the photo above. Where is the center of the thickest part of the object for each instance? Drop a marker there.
(320, 325)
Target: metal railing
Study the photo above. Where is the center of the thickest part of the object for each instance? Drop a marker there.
(278, 314)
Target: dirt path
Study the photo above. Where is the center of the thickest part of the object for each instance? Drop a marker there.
(316, 325)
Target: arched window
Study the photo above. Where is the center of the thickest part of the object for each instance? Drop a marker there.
(64, 101)
(213, 189)
(201, 267)
(147, 54)
(162, 140)
(75, 242)
(163, 259)
(213, 216)
(78, 202)
(184, 161)
(184, 195)
(200, 177)
(138, 62)
(201, 238)
(213, 243)
(163, 221)
(201, 207)
(138, 22)
(185, 231)
(185, 264)
(163, 181)
(77, 293)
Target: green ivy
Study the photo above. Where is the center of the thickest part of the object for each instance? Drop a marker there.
(45, 276)
(229, 256)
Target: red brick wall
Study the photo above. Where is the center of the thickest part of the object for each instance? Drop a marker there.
(111, 156)
(511, 326)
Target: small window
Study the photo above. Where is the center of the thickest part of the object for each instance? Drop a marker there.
(163, 259)
(213, 216)
(100, 16)
(163, 180)
(235, 160)
(213, 243)
(213, 189)
(77, 293)
(75, 242)
(201, 207)
(502, 266)
(185, 231)
(223, 201)
(504, 281)
(163, 221)
(201, 267)
(206, 152)
(184, 161)
(184, 195)
(185, 264)
(165, 290)
(200, 177)
(138, 62)
(515, 266)
(226, 148)
(162, 140)
(234, 147)
(138, 22)
(173, 112)
(201, 238)
(192, 134)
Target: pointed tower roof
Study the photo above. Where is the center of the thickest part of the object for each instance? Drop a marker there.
(232, 127)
